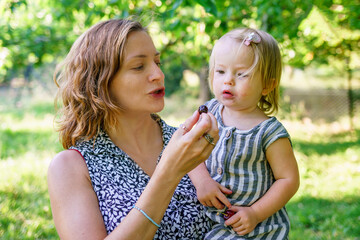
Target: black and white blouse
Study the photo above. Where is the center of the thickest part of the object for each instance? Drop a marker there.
(118, 183)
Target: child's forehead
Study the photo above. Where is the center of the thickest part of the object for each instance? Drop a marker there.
(230, 44)
(232, 48)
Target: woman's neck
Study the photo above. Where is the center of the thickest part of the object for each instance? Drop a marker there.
(140, 137)
(134, 129)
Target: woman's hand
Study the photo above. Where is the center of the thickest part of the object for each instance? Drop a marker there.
(188, 146)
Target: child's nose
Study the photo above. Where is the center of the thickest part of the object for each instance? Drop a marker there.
(229, 79)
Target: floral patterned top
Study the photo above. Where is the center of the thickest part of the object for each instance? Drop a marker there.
(118, 183)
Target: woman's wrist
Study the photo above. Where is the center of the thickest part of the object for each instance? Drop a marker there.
(167, 173)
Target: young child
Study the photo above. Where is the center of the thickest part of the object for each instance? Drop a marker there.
(253, 170)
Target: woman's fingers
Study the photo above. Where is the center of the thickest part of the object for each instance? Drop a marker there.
(191, 121)
(188, 142)
(202, 126)
(204, 123)
(212, 136)
(212, 131)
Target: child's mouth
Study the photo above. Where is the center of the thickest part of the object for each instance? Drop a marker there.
(227, 93)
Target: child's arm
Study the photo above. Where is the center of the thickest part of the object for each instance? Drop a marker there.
(209, 192)
(283, 164)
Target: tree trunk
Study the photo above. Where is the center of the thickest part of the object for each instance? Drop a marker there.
(350, 93)
(204, 85)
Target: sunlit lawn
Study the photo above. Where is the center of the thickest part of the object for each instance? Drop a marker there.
(327, 206)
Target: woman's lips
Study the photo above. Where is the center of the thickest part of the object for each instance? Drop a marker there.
(158, 93)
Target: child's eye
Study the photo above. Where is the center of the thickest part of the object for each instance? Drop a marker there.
(220, 71)
(241, 75)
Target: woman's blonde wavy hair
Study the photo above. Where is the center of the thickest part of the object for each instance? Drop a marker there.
(83, 79)
(267, 60)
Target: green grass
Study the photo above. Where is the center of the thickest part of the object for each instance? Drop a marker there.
(327, 205)
(325, 218)
(24, 202)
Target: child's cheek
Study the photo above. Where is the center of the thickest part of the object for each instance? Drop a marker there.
(244, 92)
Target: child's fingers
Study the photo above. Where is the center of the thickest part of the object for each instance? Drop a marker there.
(225, 190)
(217, 204)
(232, 220)
(241, 231)
(209, 204)
(203, 202)
(223, 199)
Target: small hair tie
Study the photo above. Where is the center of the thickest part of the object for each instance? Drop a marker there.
(252, 37)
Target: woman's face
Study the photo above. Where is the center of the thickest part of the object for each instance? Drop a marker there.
(138, 86)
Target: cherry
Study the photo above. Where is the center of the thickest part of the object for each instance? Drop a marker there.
(202, 109)
(228, 214)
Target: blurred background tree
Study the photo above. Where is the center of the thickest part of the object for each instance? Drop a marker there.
(37, 32)
(320, 88)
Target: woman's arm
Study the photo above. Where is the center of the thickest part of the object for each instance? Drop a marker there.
(74, 203)
(183, 153)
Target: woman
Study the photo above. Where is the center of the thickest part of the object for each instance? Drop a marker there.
(116, 179)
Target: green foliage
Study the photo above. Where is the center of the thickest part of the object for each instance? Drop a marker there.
(41, 31)
(328, 34)
(173, 73)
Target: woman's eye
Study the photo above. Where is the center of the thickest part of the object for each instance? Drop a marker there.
(159, 64)
(140, 67)
(220, 71)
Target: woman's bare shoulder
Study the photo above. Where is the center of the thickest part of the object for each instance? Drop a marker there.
(66, 163)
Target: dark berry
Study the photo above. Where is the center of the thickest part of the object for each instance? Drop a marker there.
(202, 109)
(228, 214)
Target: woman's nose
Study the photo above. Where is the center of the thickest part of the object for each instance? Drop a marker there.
(156, 73)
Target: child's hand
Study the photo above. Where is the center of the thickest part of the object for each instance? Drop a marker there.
(243, 221)
(212, 194)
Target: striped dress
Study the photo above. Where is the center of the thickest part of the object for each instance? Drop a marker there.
(238, 162)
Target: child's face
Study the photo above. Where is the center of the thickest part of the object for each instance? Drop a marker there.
(231, 87)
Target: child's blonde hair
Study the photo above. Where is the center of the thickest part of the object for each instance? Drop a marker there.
(267, 60)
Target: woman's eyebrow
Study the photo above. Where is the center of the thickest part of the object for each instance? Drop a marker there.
(144, 56)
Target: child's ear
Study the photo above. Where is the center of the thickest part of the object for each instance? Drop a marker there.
(266, 91)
